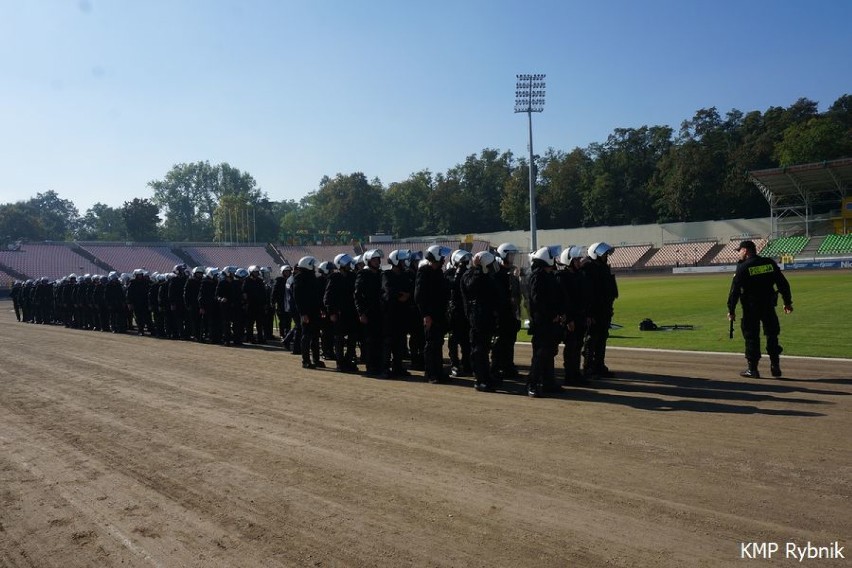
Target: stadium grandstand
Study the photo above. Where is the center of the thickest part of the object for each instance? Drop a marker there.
(680, 254)
(126, 258)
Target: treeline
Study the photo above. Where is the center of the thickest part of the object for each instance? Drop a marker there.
(651, 174)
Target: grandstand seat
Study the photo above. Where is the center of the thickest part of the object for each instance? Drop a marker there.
(124, 258)
(680, 254)
(50, 260)
(836, 244)
(728, 255)
(785, 246)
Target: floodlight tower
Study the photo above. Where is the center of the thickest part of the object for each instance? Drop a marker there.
(529, 98)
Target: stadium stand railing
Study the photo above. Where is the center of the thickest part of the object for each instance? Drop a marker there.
(688, 253)
(728, 255)
(836, 244)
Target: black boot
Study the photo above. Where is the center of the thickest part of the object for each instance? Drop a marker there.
(751, 372)
(775, 366)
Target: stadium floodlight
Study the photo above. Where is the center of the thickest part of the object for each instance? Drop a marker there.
(529, 98)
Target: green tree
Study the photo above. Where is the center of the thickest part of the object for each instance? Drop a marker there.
(818, 139)
(102, 223)
(515, 201)
(406, 204)
(142, 220)
(190, 193)
(349, 202)
(19, 221)
(58, 217)
(565, 178)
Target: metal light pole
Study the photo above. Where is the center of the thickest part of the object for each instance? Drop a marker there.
(529, 98)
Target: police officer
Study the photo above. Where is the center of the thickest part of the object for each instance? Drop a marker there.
(458, 340)
(368, 303)
(432, 296)
(208, 307)
(278, 298)
(190, 300)
(604, 289)
(138, 301)
(339, 301)
(397, 294)
(309, 308)
(576, 292)
(15, 293)
(254, 298)
(176, 308)
(508, 314)
(757, 283)
(479, 294)
(547, 311)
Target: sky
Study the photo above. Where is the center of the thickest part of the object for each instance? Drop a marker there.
(100, 97)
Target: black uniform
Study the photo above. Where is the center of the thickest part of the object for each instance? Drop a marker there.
(547, 306)
(190, 300)
(368, 303)
(480, 300)
(604, 291)
(138, 302)
(508, 323)
(278, 298)
(756, 285)
(432, 296)
(396, 308)
(308, 305)
(254, 295)
(339, 301)
(576, 293)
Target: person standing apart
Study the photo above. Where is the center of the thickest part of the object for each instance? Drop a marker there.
(756, 285)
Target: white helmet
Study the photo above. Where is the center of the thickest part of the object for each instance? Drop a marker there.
(326, 267)
(343, 260)
(136, 272)
(307, 263)
(371, 254)
(484, 259)
(253, 268)
(437, 253)
(507, 249)
(460, 257)
(597, 250)
(358, 260)
(397, 257)
(286, 268)
(241, 273)
(546, 255)
(211, 272)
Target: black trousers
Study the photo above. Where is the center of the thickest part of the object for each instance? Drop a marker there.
(433, 351)
(750, 324)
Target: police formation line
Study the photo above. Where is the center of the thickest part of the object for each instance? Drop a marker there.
(353, 312)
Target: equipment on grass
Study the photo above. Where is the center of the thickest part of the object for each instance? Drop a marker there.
(648, 324)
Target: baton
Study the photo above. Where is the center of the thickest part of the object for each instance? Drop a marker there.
(731, 330)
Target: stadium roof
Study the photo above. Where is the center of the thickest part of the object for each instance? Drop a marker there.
(797, 193)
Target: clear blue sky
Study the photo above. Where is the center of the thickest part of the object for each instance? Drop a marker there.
(99, 97)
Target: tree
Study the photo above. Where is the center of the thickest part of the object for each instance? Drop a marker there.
(18, 221)
(102, 223)
(349, 202)
(141, 219)
(818, 139)
(190, 193)
(565, 178)
(58, 217)
(515, 201)
(406, 203)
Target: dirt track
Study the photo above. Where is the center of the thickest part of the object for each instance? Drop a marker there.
(120, 450)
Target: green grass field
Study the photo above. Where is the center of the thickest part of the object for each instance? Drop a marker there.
(820, 325)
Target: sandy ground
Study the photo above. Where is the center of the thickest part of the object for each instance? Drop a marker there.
(117, 450)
